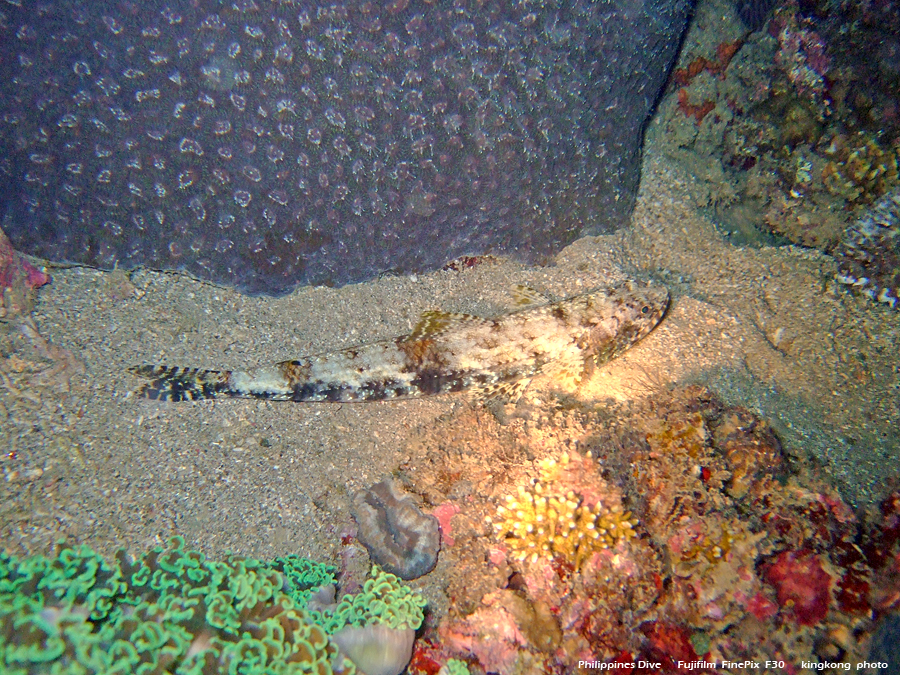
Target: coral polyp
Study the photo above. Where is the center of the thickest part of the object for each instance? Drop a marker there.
(860, 168)
(558, 517)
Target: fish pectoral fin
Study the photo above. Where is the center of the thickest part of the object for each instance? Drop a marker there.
(502, 392)
(525, 296)
(567, 373)
(434, 322)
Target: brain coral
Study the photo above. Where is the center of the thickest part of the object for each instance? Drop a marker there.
(268, 144)
(399, 537)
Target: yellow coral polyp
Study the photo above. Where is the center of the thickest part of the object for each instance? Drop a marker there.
(709, 548)
(541, 522)
(860, 169)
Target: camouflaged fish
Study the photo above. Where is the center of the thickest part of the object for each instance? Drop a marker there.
(869, 255)
(488, 358)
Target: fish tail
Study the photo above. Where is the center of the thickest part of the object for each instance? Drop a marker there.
(171, 383)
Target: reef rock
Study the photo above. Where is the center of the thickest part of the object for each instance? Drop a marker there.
(265, 144)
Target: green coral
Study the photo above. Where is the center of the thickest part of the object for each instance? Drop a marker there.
(455, 667)
(303, 576)
(382, 600)
(174, 611)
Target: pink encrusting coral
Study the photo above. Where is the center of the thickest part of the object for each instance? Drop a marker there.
(802, 55)
(18, 280)
(15, 269)
(444, 514)
(803, 587)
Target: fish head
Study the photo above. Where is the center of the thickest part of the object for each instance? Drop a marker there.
(620, 316)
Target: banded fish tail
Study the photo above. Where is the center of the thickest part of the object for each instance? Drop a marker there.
(172, 383)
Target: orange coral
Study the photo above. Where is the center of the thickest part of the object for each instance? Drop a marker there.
(725, 51)
(693, 110)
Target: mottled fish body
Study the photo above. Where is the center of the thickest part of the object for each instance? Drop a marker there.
(869, 255)
(486, 357)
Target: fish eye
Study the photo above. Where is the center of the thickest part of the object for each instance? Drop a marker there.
(645, 309)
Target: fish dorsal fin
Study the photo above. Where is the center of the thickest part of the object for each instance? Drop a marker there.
(526, 296)
(434, 323)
